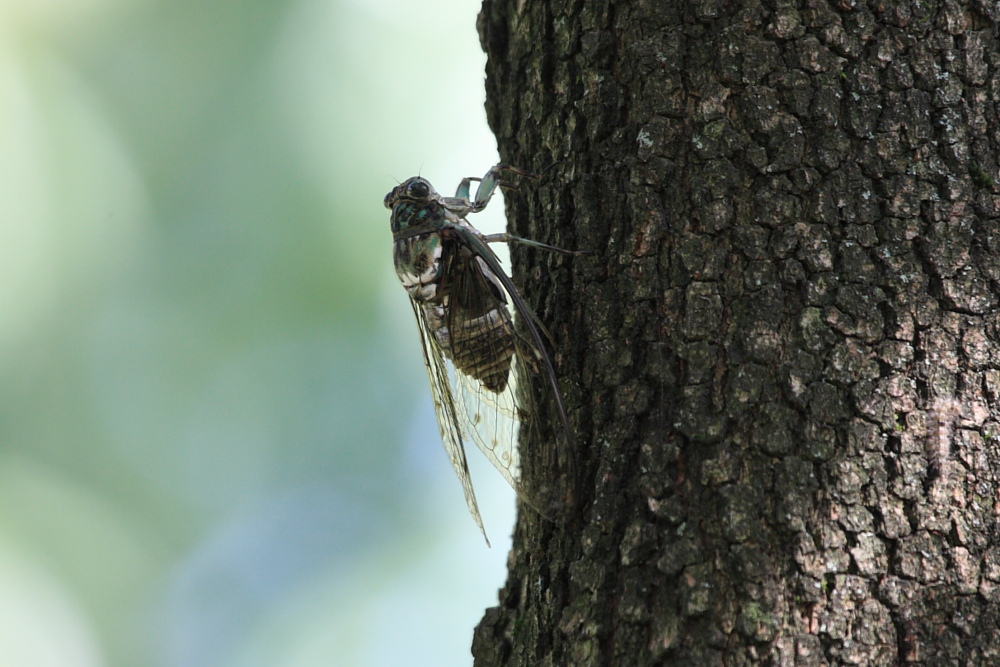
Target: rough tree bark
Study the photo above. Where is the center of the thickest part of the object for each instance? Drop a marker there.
(783, 365)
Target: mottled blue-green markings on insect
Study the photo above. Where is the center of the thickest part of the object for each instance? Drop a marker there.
(473, 351)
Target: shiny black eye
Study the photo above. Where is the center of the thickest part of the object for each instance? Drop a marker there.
(418, 189)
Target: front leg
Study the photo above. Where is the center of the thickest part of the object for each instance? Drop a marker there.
(489, 183)
(463, 188)
(462, 203)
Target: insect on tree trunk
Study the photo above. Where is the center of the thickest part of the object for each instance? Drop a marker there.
(782, 365)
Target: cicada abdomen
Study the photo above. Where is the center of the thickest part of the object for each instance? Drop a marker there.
(481, 329)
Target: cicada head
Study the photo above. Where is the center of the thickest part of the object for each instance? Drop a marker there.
(414, 203)
(414, 189)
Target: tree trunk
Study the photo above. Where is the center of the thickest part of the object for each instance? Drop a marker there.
(782, 364)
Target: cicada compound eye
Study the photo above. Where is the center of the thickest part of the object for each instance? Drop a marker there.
(418, 189)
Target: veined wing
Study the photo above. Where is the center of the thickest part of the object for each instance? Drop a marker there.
(484, 349)
(447, 411)
(479, 297)
(493, 420)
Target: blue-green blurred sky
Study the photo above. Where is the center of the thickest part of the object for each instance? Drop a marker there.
(216, 441)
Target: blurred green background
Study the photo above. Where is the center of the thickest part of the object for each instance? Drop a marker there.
(216, 441)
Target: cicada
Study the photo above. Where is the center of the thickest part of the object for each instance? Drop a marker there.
(475, 353)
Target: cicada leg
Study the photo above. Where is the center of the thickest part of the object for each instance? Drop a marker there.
(488, 185)
(463, 203)
(504, 237)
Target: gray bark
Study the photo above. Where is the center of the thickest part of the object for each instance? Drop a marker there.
(782, 366)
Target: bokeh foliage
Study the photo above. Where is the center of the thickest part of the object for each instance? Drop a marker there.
(216, 445)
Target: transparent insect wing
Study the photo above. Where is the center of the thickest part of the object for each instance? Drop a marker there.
(481, 403)
(442, 377)
(487, 389)
(493, 424)
(486, 348)
(493, 412)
